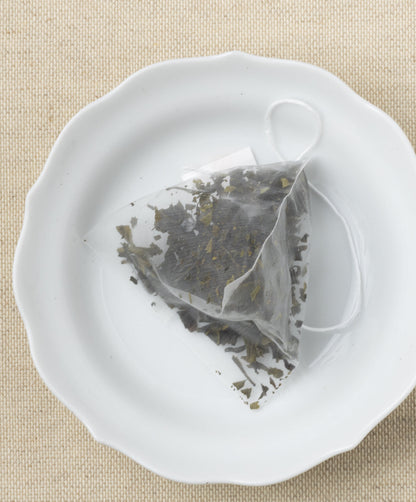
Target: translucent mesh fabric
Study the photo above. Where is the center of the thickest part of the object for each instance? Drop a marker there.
(229, 251)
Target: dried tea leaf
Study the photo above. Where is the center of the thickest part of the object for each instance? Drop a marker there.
(125, 232)
(247, 392)
(239, 385)
(255, 292)
(276, 372)
(264, 391)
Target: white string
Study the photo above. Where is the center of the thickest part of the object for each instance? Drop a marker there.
(357, 302)
(269, 128)
(358, 294)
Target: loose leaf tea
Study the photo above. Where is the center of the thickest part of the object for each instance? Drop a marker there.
(229, 251)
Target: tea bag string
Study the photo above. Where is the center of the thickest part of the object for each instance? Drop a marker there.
(357, 293)
(269, 127)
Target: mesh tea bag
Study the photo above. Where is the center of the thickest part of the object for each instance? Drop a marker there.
(228, 250)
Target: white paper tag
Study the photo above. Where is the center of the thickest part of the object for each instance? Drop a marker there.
(243, 157)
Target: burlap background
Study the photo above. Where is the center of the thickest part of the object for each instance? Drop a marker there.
(57, 56)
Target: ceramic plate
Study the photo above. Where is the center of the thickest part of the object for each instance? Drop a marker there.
(126, 371)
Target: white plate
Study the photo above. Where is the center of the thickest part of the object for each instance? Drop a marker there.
(127, 372)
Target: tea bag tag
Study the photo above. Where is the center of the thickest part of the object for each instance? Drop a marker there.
(243, 157)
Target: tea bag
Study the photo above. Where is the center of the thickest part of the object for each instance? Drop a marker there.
(228, 250)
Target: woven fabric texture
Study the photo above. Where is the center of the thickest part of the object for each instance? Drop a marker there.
(57, 56)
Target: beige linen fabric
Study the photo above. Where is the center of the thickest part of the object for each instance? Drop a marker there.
(57, 56)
